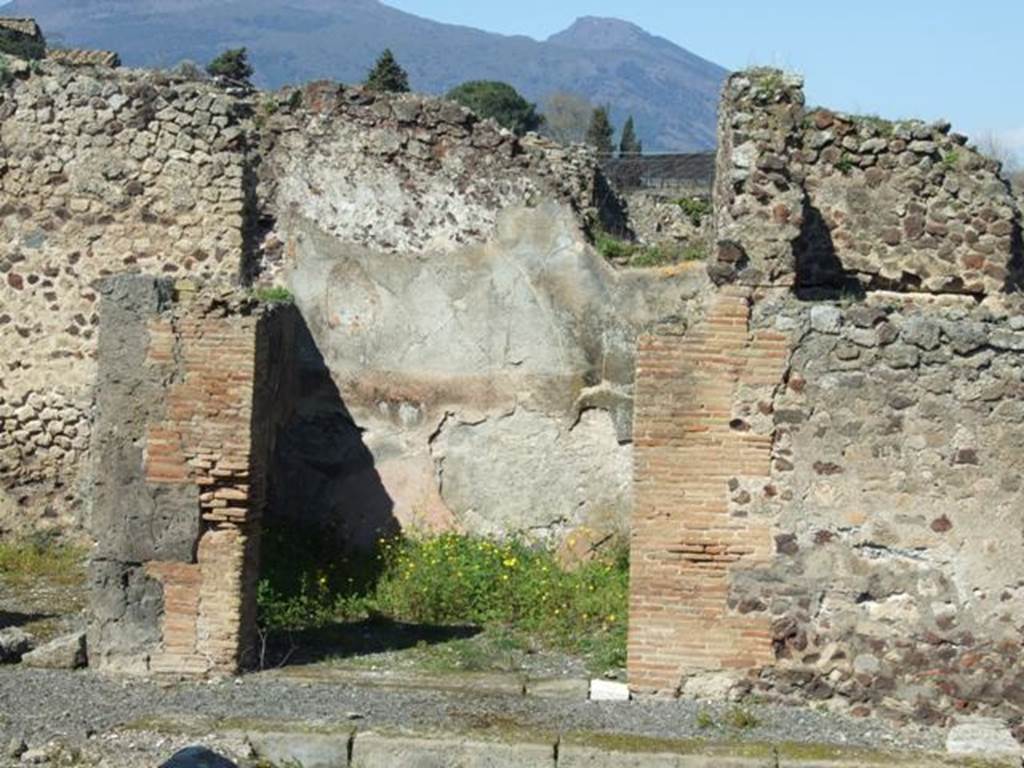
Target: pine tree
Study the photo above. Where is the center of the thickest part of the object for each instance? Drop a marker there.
(387, 75)
(601, 132)
(233, 64)
(488, 98)
(630, 145)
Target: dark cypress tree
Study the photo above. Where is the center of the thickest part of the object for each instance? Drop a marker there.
(630, 145)
(601, 132)
(387, 75)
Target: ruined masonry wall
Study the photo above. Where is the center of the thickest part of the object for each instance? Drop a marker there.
(846, 524)
(405, 173)
(898, 509)
(100, 172)
(443, 269)
(103, 172)
(822, 199)
(179, 516)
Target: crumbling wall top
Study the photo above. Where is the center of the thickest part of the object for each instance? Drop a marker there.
(23, 26)
(83, 58)
(408, 173)
(822, 200)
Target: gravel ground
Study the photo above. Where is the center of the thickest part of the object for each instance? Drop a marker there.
(86, 711)
(43, 609)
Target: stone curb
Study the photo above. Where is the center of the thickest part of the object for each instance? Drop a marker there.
(383, 748)
(284, 744)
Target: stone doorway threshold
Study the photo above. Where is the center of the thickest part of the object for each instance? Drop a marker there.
(474, 683)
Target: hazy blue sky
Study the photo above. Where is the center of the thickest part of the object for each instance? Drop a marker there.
(898, 58)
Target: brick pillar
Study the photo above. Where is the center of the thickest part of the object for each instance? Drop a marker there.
(689, 448)
(189, 386)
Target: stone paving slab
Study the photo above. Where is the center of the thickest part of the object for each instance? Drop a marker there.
(384, 750)
(982, 736)
(308, 750)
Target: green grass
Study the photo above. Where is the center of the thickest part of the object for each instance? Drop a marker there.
(273, 294)
(269, 106)
(516, 591)
(845, 165)
(695, 208)
(40, 559)
(651, 256)
(634, 254)
(613, 248)
(770, 82)
(951, 160)
(741, 719)
(737, 718)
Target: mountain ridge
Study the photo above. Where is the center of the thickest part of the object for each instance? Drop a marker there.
(672, 92)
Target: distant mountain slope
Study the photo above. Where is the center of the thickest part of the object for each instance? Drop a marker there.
(672, 93)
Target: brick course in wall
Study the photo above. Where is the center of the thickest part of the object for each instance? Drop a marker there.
(211, 369)
(691, 445)
(204, 440)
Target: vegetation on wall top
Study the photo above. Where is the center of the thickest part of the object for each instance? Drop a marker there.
(233, 64)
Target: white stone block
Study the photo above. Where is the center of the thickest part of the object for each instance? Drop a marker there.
(608, 690)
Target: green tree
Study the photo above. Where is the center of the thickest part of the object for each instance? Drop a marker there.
(387, 75)
(601, 132)
(566, 117)
(233, 64)
(488, 98)
(630, 145)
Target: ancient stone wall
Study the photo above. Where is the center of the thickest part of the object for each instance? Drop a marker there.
(100, 172)
(897, 507)
(825, 200)
(662, 220)
(192, 386)
(828, 504)
(111, 171)
(443, 268)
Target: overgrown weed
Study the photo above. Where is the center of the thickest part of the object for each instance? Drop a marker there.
(510, 586)
(40, 558)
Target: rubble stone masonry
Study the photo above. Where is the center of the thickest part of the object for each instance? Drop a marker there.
(842, 521)
(101, 172)
(824, 199)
